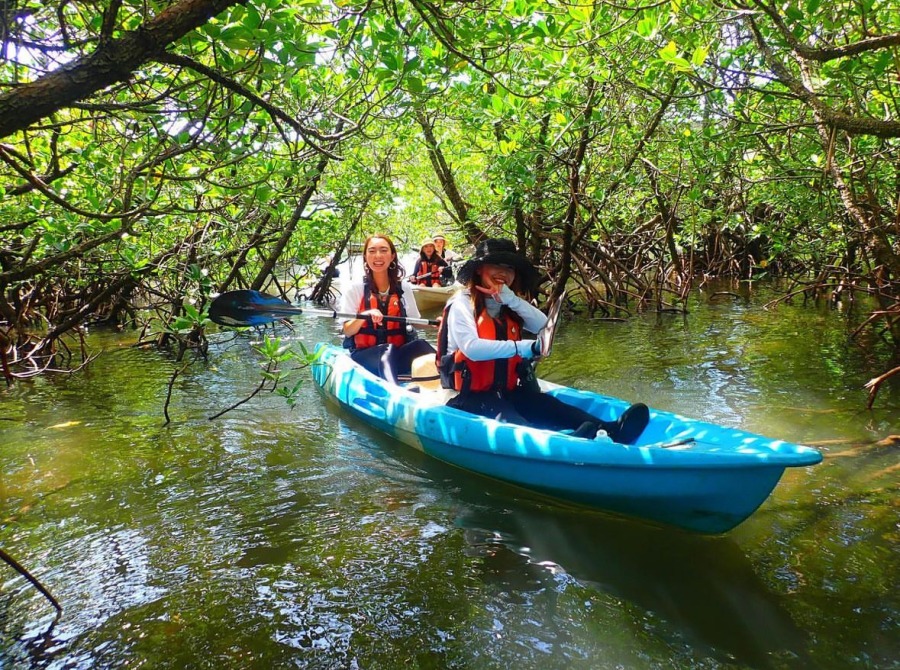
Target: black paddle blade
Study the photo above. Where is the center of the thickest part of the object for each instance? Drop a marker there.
(249, 308)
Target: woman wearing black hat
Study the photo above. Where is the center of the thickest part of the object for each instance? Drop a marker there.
(483, 355)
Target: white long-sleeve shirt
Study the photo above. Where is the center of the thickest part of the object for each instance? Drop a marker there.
(462, 333)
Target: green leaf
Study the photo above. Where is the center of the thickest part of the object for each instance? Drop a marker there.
(581, 13)
(212, 29)
(236, 37)
(794, 13)
(699, 56)
(252, 19)
(391, 61)
(646, 27)
(882, 61)
(669, 52)
(182, 324)
(415, 84)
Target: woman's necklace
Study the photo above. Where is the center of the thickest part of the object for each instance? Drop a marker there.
(385, 292)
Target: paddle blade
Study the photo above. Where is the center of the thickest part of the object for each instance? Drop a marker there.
(249, 308)
(545, 337)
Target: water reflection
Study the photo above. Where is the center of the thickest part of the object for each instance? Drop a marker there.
(700, 589)
(705, 590)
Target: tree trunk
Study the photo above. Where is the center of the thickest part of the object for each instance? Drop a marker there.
(445, 175)
(286, 234)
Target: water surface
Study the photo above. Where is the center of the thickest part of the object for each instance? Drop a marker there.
(278, 538)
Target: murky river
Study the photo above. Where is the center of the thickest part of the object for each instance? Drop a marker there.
(279, 538)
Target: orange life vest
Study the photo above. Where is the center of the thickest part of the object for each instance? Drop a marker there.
(431, 271)
(390, 332)
(493, 375)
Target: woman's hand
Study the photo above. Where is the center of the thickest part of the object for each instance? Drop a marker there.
(504, 295)
(374, 315)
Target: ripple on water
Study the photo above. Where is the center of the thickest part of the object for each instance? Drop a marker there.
(273, 537)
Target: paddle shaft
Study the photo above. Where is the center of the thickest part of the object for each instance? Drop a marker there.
(247, 308)
(427, 274)
(548, 332)
(347, 315)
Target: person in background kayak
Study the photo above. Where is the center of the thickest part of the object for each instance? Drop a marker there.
(440, 245)
(483, 355)
(374, 342)
(429, 268)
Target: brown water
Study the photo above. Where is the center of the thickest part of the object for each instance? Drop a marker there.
(273, 538)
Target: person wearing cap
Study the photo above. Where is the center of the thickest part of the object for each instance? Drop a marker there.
(429, 268)
(384, 347)
(482, 353)
(440, 244)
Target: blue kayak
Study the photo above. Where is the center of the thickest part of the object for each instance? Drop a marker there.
(681, 471)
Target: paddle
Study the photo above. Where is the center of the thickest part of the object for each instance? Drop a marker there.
(425, 275)
(252, 308)
(548, 332)
(13, 563)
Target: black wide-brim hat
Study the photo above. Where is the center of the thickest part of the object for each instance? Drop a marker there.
(498, 251)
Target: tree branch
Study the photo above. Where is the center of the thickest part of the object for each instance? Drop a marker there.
(852, 125)
(243, 91)
(874, 384)
(828, 53)
(113, 61)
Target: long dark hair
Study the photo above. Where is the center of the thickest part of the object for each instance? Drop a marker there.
(395, 270)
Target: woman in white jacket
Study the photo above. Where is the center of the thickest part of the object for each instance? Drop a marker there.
(482, 352)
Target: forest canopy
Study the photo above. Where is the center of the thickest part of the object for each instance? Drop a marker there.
(154, 153)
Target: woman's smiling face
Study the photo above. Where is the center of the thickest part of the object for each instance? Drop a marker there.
(494, 276)
(379, 255)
